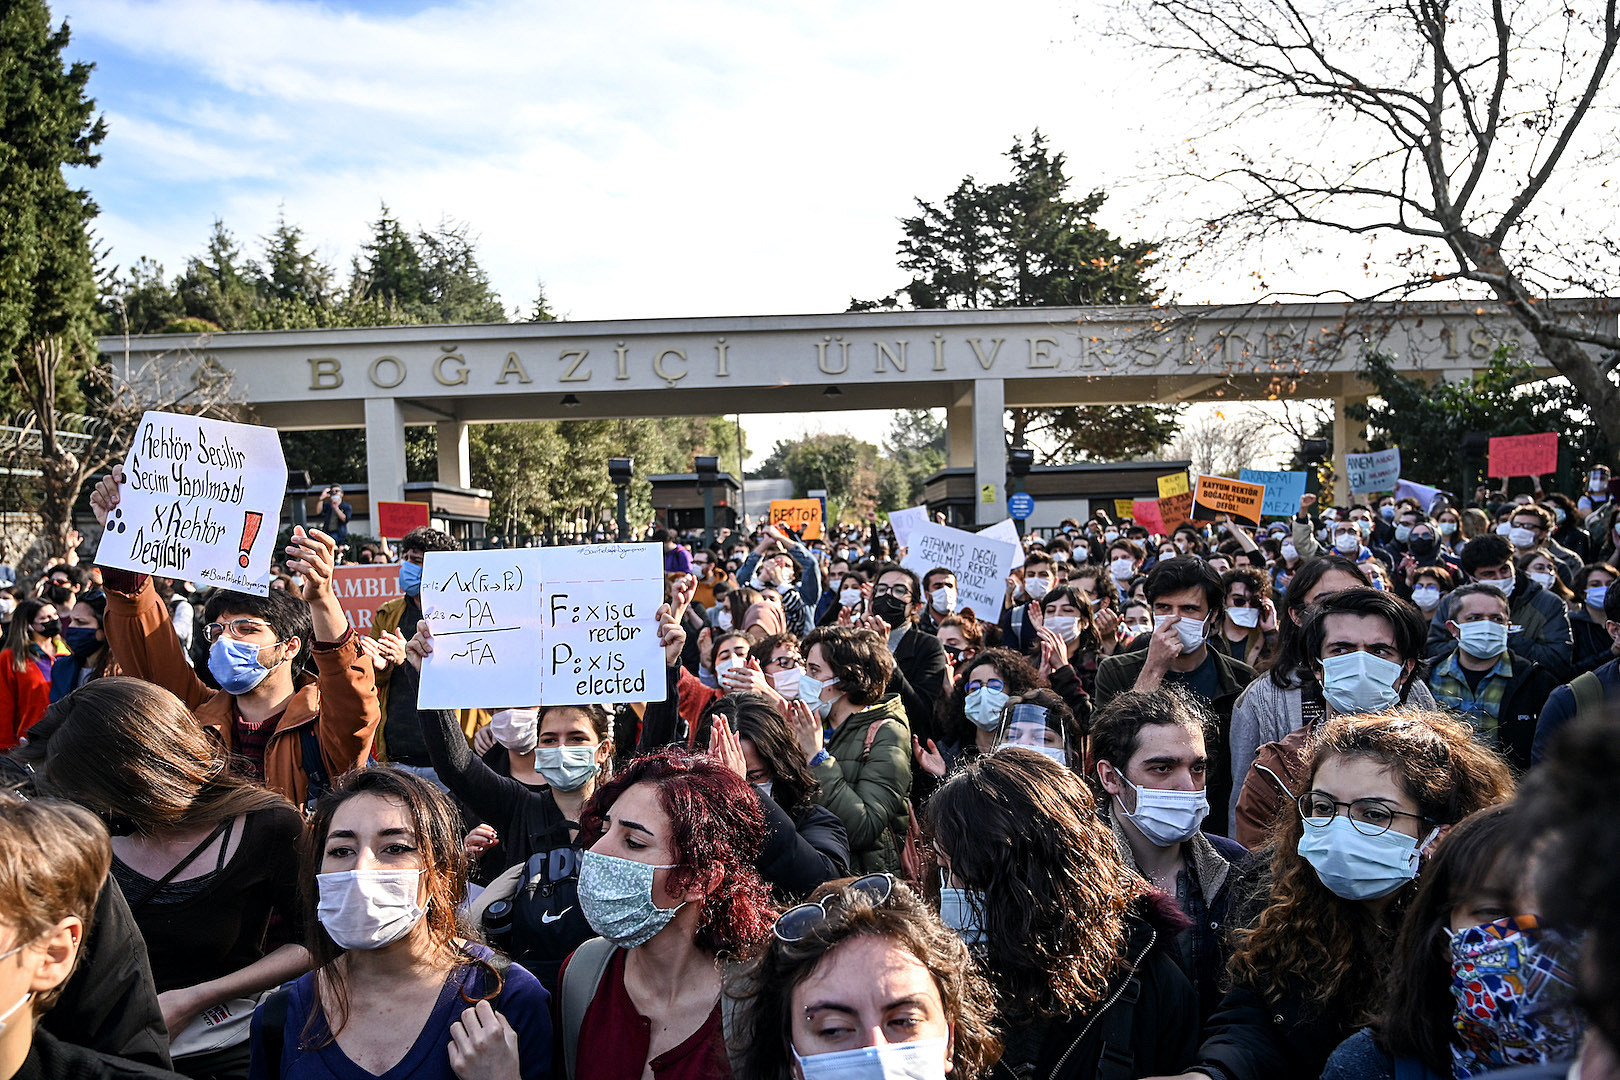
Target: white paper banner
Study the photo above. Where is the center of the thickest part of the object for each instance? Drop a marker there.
(543, 626)
(903, 522)
(201, 500)
(981, 565)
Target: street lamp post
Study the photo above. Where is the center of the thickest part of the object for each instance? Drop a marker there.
(708, 474)
(620, 470)
(1020, 459)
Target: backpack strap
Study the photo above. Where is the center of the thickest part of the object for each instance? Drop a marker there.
(1588, 691)
(314, 766)
(579, 984)
(272, 1015)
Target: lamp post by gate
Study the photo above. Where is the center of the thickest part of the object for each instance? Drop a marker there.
(1020, 460)
(708, 474)
(620, 470)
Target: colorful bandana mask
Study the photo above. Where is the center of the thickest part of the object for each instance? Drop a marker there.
(1513, 983)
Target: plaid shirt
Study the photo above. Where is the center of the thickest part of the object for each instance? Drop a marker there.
(1482, 706)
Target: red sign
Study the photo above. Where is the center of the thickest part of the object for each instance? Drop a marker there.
(1175, 509)
(1524, 455)
(395, 519)
(1145, 512)
(361, 590)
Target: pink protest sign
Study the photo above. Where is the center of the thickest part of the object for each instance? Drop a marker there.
(1524, 455)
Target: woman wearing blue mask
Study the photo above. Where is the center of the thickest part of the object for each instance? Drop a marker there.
(1307, 966)
(855, 739)
(1080, 949)
(1593, 645)
(862, 984)
(1480, 982)
(973, 711)
(668, 882)
(87, 656)
(400, 986)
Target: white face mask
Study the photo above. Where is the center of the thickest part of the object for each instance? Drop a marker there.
(1501, 585)
(1110, 535)
(1166, 818)
(943, 600)
(1521, 537)
(1035, 588)
(1066, 627)
(786, 682)
(1426, 597)
(1544, 580)
(850, 598)
(367, 909)
(1246, 617)
(722, 619)
(566, 768)
(1347, 543)
(1120, 569)
(1138, 627)
(516, 729)
(922, 1060)
(1060, 557)
(1290, 552)
(1191, 632)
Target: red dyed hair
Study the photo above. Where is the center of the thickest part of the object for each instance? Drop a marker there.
(715, 821)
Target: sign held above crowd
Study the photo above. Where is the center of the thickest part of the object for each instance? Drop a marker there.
(1240, 501)
(803, 516)
(1523, 455)
(1375, 471)
(981, 564)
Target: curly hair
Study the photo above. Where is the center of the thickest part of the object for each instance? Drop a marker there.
(1088, 641)
(1017, 673)
(715, 823)
(436, 824)
(762, 1044)
(1336, 951)
(859, 659)
(1022, 831)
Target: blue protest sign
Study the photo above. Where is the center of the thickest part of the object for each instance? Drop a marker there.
(1020, 505)
(1283, 490)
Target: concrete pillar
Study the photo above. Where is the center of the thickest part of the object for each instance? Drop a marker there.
(385, 450)
(1349, 436)
(455, 460)
(989, 451)
(959, 429)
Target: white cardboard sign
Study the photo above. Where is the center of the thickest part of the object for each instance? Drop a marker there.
(543, 626)
(201, 500)
(981, 565)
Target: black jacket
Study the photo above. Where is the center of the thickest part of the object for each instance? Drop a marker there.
(1527, 693)
(1146, 1026)
(919, 679)
(50, 1059)
(800, 854)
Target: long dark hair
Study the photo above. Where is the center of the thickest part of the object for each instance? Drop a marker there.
(1415, 1020)
(755, 717)
(1023, 832)
(20, 631)
(437, 827)
(1292, 665)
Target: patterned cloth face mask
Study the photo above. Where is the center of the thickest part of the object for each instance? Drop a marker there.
(1512, 984)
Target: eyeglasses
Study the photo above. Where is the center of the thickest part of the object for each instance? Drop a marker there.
(797, 923)
(994, 684)
(783, 663)
(237, 628)
(1370, 817)
(899, 592)
(1241, 601)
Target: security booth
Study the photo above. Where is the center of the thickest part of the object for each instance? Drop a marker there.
(677, 500)
(1059, 491)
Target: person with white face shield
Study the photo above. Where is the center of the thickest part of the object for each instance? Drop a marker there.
(1498, 691)
(1152, 767)
(1040, 721)
(395, 985)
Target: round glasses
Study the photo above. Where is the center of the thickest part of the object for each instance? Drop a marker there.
(237, 628)
(1370, 817)
(797, 923)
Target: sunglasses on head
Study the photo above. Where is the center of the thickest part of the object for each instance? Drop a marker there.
(797, 923)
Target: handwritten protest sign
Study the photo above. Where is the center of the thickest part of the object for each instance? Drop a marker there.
(201, 500)
(1123, 508)
(543, 626)
(1523, 455)
(1145, 512)
(361, 590)
(1236, 499)
(1283, 490)
(904, 521)
(803, 516)
(981, 564)
(1175, 509)
(393, 520)
(1376, 471)
(1173, 484)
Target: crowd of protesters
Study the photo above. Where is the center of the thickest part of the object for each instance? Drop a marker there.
(1326, 797)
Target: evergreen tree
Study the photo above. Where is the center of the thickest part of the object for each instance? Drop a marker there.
(391, 270)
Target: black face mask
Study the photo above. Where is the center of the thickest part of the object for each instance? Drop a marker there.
(51, 628)
(58, 594)
(889, 609)
(1422, 546)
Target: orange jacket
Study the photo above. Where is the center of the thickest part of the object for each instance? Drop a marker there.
(24, 696)
(341, 701)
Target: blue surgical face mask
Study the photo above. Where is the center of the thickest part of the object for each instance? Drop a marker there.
(958, 911)
(1360, 682)
(565, 768)
(410, 578)
(983, 707)
(921, 1060)
(810, 689)
(1596, 595)
(1355, 866)
(1482, 640)
(616, 896)
(235, 665)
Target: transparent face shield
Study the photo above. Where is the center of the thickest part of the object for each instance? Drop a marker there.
(1034, 727)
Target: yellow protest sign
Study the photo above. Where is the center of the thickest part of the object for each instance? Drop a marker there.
(1123, 508)
(1174, 484)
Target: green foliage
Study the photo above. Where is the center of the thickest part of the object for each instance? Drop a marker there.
(1429, 422)
(47, 268)
(917, 446)
(858, 478)
(1024, 242)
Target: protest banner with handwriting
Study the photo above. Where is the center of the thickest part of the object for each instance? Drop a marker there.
(1377, 471)
(1284, 488)
(1523, 455)
(1145, 512)
(803, 516)
(1236, 499)
(1175, 509)
(1123, 508)
(201, 500)
(981, 564)
(362, 589)
(1173, 484)
(543, 626)
(392, 520)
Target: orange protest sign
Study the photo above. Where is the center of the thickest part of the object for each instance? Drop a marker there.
(1524, 455)
(801, 515)
(1237, 500)
(1175, 509)
(361, 590)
